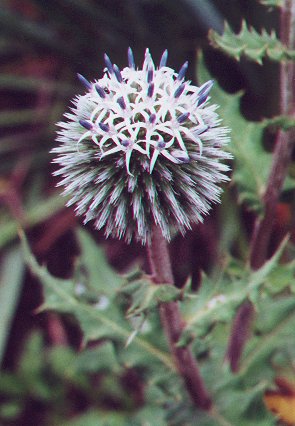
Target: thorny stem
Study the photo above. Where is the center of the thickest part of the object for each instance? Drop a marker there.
(172, 322)
(284, 143)
(281, 159)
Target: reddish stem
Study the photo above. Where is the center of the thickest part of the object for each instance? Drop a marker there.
(239, 335)
(284, 144)
(172, 323)
(281, 160)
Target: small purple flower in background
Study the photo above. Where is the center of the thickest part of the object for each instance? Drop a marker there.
(142, 147)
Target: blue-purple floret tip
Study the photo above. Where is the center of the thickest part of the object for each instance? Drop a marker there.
(84, 81)
(150, 90)
(150, 75)
(204, 92)
(121, 102)
(183, 117)
(163, 60)
(179, 90)
(104, 127)
(117, 73)
(131, 62)
(100, 90)
(182, 71)
(152, 118)
(108, 63)
(86, 124)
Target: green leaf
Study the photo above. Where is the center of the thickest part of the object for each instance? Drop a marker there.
(284, 122)
(31, 365)
(35, 214)
(252, 162)
(217, 300)
(31, 368)
(257, 361)
(96, 320)
(99, 418)
(251, 44)
(30, 84)
(10, 410)
(23, 116)
(99, 276)
(146, 295)
(281, 278)
(11, 275)
(150, 415)
(280, 308)
(238, 398)
(58, 293)
(12, 385)
(272, 3)
(94, 360)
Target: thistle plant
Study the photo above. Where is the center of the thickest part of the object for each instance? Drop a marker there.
(143, 154)
(142, 147)
(140, 155)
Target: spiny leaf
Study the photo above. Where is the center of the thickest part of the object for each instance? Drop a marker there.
(281, 278)
(281, 121)
(251, 44)
(99, 276)
(217, 300)
(260, 350)
(272, 3)
(95, 320)
(99, 358)
(56, 290)
(146, 295)
(238, 396)
(252, 162)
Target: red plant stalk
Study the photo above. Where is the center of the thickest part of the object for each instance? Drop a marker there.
(173, 324)
(281, 160)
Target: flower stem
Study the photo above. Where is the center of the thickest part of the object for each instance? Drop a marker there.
(173, 324)
(281, 160)
(284, 143)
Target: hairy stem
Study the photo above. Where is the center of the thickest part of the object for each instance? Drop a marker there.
(281, 160)
(172, 323)
(283, 147)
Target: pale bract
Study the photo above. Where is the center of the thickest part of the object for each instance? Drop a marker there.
(142, 147)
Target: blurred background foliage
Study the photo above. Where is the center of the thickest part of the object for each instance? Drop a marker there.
(43, 44)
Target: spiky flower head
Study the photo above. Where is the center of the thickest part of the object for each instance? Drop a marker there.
(142, 147)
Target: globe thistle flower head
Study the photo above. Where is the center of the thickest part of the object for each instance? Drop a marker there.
(142, 147)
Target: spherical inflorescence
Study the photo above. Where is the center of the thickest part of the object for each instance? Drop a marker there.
(142, 147)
